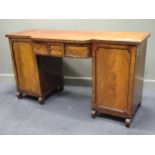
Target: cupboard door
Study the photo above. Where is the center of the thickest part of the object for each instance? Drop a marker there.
(26, 67)
(112, 78)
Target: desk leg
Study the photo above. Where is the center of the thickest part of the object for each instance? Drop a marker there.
(60, 88)
(41, 100)
(93, 114)
(127, 122)
(19, 95)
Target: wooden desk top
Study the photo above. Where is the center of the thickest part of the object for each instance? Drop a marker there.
(81, 36)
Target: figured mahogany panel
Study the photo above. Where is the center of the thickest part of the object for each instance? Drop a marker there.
(26, 67)
(112, 78)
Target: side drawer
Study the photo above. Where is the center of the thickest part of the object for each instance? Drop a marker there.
(56, 49)
(41, 49)
(77, 51)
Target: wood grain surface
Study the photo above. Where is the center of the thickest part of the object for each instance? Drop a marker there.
(112, 68)
(135, 37)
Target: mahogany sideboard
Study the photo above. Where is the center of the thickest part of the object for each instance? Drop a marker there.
(118, 62)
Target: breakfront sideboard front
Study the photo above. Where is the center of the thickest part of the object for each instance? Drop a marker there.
(118, 62)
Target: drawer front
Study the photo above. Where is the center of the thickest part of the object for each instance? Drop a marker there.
(41, 49)
(56, 50)
(77, 51)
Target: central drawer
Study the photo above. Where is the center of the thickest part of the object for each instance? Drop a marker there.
(77, 51)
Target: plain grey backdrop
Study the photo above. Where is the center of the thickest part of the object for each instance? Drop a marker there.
(76, 67)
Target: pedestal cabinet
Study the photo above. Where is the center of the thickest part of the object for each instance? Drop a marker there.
(36, 75)
(118, 72)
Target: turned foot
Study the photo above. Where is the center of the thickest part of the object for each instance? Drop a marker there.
(127, 122)
(60, 88)
(41, 100)
(19, 95)
(93, 114)
(139, 104)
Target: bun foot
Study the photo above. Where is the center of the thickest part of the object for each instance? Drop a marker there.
(60, 88)
(139, 104)
(93, 114)
(41, 100)
(19, 95)
(127, 122)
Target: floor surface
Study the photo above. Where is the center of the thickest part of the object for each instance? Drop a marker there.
(68, 112)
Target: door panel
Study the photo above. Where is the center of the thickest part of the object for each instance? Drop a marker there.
(112, 77)
(26, 66)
